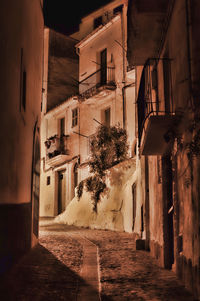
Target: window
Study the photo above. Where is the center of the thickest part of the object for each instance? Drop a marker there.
(74, 117)
(98, 21)
(62, 126)
(106, 117)
(48, 180)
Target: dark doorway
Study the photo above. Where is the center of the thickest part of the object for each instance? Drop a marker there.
(168, 212)
(103, 67)
(134, 203)
(61, 191)
(75, 175)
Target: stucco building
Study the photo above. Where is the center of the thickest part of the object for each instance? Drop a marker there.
(21, 59)
(106, 96)
(164, 45)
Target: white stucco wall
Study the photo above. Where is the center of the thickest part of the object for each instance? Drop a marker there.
(114, 210)
(113, 38)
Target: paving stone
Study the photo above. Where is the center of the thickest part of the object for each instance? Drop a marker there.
(67, 262)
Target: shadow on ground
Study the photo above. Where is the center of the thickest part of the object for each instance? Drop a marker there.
(40, 276)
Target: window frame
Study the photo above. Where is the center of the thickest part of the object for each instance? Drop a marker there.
(103, 114)
(74, 117)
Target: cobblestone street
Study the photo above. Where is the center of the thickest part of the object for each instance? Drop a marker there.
(83, 264)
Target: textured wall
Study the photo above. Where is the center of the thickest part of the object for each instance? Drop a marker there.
(21, 51)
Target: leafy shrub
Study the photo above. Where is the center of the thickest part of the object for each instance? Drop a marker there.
(80, 189)
(108, 148)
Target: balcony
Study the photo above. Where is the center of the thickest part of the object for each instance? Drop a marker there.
(100, 81)
(156, 128)
(56, 150)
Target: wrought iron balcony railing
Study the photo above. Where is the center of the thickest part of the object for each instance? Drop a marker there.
(157, 121)
(56, 146)
(147, 103)
(102, 77)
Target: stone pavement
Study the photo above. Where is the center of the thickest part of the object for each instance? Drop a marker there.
(82, 264)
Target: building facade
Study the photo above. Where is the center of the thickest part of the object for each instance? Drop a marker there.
(106, 88)
(21, 90)
(164, 46)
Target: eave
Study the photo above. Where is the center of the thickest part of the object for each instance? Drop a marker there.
(95, 33)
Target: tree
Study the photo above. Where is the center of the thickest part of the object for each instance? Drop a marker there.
(108, 148)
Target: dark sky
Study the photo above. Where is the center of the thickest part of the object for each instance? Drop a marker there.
(65, 15)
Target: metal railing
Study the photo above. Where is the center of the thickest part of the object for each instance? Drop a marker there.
(147, 105)
(102, 77)
(56, 146)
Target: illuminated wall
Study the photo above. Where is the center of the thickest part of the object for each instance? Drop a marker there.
(21, 87)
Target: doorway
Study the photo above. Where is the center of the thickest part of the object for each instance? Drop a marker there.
(61, 190)
(103, 58)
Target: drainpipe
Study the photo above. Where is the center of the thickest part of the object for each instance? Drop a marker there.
(124, 106)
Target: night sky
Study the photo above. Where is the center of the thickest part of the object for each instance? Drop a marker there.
(65, 15)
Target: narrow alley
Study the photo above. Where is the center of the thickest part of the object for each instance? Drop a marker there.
(81, 264)
(100, 150)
